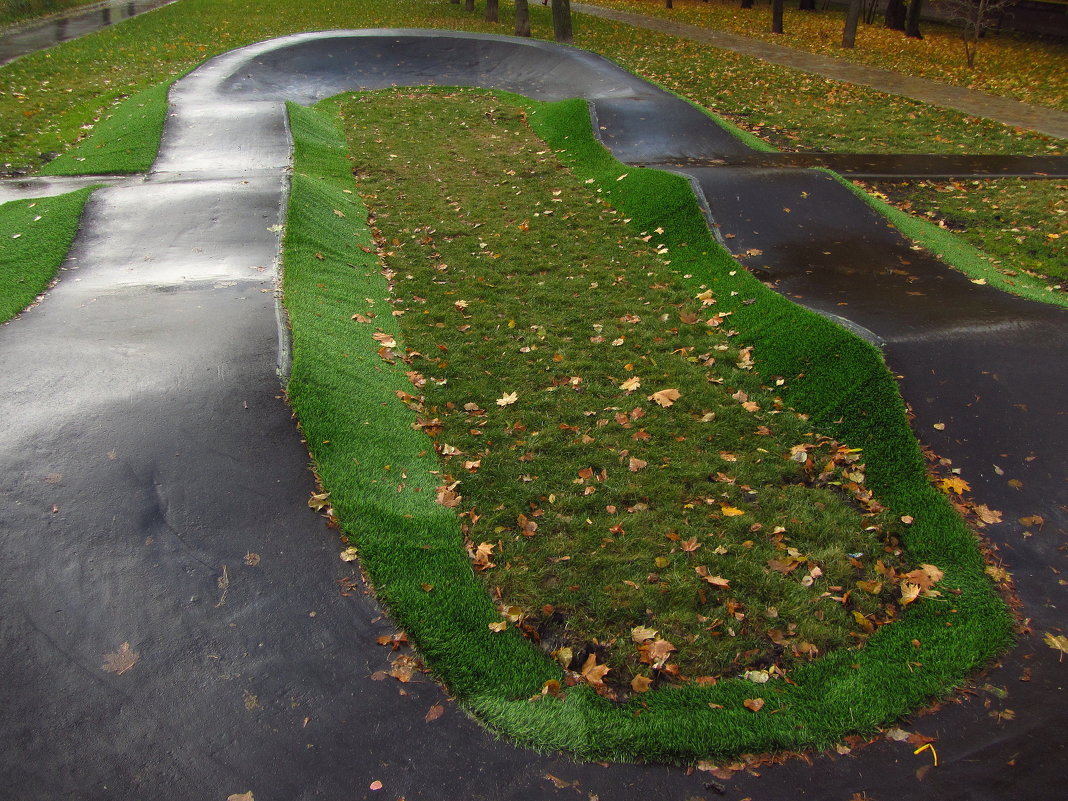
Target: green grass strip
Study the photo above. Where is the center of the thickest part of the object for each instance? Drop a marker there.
(35, 236)
(344, 395)
(124, 142)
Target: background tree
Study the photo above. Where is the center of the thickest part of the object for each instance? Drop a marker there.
(492, 10)
(522, 18)
(894, 18)
(562, 21)
(806, 5)
(975, 18)
(849, 32)
(912, 20)
(776, 16)
(747, 3)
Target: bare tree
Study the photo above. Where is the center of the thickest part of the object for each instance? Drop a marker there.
(492, 10)
(776, 16)
(849, 31)
(522, 18)
(975, 18)
(912, 20)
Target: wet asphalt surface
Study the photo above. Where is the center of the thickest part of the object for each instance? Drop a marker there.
(174, 620)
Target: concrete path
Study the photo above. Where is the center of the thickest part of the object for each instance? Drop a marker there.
(977, 104)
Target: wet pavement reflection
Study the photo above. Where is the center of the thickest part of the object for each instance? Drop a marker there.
(40, 34)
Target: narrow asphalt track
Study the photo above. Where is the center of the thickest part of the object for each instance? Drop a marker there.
(154, 487)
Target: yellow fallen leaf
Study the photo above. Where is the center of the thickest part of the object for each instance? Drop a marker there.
(507, 399)
(1058, 642)
(665, 397)
(731, 511)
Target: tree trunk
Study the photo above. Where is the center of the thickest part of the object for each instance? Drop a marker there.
(849, 32)
(806, 5)
(776, 16)
(455, 2)
(522, 18)
(492, 10)
(469, 5)
(562, 21)
(747, 3)
(895, 15)
(667, 4)
(912, 21)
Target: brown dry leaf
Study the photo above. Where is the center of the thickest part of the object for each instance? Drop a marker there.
(240, 796)
(640, 634)
(558, 783)
(641, 684)
(481, 556)
(690, 545)
(665, 397)
(753, 704)
(656, 653)
(592, 672)
(634, 465)
(499, 626)
(448, 498)
(349, 555)
(385, 339)
(375, 785)
(715, 581)
(1032, 520)
(122, 660)
(362, 318)
(631, 384)
(909, 593)
(319, 501)
(434, 713)
(986, 514)
(507, 399)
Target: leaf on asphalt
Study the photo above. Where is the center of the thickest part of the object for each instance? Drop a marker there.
(434, 713)
(349, 555)
(1058, 642)
(507, 399)
(240, 796)
(665, 397)
(954, 484)
(558, 783)
(1032, 520)
(319, 501)
(986, 514)
(122, 660)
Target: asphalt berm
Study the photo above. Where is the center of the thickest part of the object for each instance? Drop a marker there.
(154, 486)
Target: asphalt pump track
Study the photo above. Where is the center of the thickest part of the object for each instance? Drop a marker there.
(154, 486)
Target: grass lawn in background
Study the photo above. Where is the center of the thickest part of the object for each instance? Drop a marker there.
(1025, 68)
(628, 425)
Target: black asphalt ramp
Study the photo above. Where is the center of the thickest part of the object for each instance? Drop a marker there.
(175, 622)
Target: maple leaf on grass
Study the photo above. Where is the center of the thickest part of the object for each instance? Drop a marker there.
(665, 397)
(507, 399)
(594, 673)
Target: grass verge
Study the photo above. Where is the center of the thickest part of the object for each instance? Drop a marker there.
(35, 236)
(412, 546)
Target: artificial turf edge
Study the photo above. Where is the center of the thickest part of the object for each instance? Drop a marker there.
(35, 236)
(407, 542)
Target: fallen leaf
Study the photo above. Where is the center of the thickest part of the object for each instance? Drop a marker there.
(240, 797)
(954, 484)
(641, 684)
(434, 713)
(631, 384)
(592, 672)
(385, 339)
(753, 704)
(507, 399)
(665, 397)
(349, 555)
(640, 634)
(1058, 642)
(499, 626)
(558, 783)
(122, 660)
(634, 465)
(986, 514)
(375, 785)
(731, 511)
(715, 581)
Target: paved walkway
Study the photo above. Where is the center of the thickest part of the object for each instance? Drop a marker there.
(978, 104)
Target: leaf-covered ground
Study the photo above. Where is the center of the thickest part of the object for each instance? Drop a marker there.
(1025, 68)
(632, 490)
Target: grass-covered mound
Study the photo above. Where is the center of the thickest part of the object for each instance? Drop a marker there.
(35, 236)
(393, 434)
